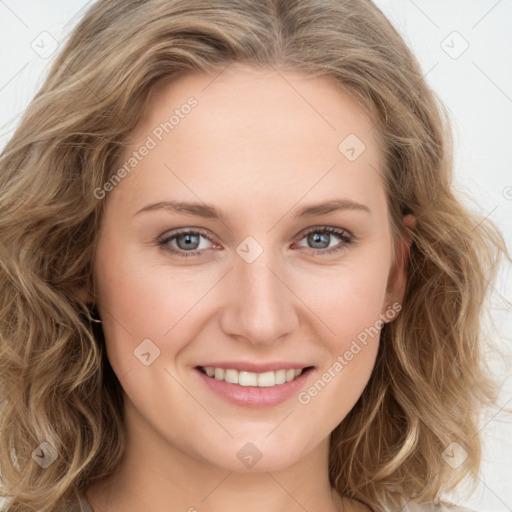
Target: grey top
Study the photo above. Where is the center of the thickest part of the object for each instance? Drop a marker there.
(432, 507)
(79, 505)
(83, 506)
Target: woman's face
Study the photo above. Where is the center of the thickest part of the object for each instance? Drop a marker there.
(273, 284)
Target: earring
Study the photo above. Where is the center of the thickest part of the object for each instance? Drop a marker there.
(94, 317)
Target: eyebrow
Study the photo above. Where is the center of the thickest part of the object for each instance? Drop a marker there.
(211, 212)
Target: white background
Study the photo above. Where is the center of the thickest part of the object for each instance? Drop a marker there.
(476, 86)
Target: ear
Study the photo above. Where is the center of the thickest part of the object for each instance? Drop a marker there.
(397, 278)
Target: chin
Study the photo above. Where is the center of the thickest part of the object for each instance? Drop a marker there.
(256, 455)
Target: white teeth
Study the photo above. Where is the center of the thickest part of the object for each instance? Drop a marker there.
(266, 380)
(248, 379)
(242, 378)
(231, 376)
(280, 376)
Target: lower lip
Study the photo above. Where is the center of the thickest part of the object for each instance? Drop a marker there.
(253, 396)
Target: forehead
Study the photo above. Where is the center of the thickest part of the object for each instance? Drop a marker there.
(256, 131)
(264, 101)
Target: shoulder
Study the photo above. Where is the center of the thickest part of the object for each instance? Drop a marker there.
(433, 507)
(80, 505)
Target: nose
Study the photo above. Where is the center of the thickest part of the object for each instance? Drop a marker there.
(260, 308)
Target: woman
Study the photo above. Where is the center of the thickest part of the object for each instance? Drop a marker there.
(234, 275)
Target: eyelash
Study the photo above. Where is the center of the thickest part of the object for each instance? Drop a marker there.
(341, 233)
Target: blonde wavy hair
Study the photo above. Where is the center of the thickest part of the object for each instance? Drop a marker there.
(430, 380)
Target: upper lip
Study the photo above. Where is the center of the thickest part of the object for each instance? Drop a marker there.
(247, 366)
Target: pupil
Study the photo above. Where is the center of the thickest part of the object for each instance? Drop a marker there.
(319, 238)
(189, 239)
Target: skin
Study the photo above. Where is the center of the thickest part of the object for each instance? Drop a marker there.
(259, 145)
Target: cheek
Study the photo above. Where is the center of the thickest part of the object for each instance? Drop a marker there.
(349, 300)
(348, 308)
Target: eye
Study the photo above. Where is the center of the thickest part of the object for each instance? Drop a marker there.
(320, 238)
(186, 243)
(184, 240)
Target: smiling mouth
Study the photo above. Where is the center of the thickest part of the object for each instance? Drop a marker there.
(243, 378)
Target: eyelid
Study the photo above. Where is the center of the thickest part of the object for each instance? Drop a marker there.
(174, 232)
(322, 227)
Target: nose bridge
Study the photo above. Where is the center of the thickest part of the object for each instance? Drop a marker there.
(260, 307)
